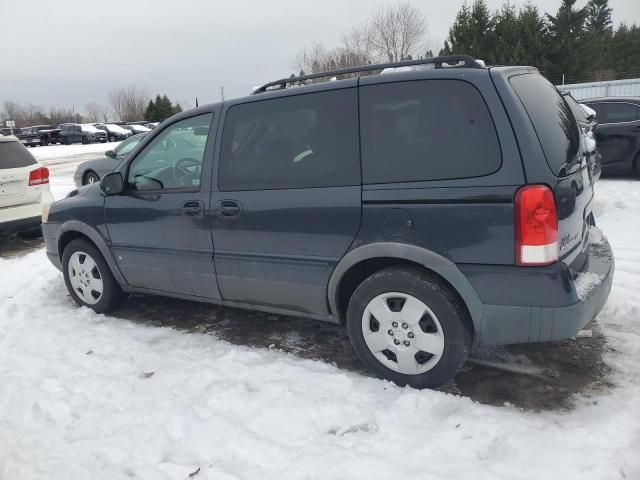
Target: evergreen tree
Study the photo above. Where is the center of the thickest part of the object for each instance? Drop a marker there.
(599, 29)
(482, 31)
(160, 109)
(623, 51)
(532, 37)
(598, 17)
(508, 44)
(472, 33)
(567, 47)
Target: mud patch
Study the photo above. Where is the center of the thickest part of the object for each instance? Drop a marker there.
(534, 377)
(17, 245)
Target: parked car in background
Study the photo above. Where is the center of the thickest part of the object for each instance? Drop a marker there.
(47, 134)
(24, 135)
(115, 133)
(618, 133)
(81, 133)
(137, 128)
(586, 118)
(24, 188)
(428, 210)
(93, 170)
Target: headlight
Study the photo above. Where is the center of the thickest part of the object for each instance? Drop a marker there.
(45, 213)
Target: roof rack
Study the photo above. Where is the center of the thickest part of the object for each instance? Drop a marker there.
(451, 61)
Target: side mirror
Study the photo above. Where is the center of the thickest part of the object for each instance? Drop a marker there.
(110, 154)
(112, 184)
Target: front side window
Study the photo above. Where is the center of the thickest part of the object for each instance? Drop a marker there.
(173, 159)
(300, 141)
(426, 130)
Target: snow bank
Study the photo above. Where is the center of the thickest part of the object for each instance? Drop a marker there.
(93, 396)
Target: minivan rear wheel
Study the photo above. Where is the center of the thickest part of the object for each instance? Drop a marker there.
(88, 277)
(408, 327)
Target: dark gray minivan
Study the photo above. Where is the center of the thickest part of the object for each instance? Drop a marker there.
(430, 208)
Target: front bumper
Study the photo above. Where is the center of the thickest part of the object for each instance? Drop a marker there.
(527, 305)
(50, 233)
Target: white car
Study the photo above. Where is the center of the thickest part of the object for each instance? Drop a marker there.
(24, 188)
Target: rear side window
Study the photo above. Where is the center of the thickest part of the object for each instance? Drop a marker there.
(14, 155)
(619, 112)
(552, 120)
(426, 130)
(301, 141)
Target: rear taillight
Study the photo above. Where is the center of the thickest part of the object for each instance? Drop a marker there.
(536, 226)
(39, 176)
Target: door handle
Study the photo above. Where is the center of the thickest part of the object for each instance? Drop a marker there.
(229, 209)
(193, 208)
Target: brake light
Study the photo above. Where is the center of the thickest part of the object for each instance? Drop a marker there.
(536, 226)
(39, 176)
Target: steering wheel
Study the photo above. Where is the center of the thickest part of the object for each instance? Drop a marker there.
(180, 169)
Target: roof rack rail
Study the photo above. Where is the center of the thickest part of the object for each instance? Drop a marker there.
(439, 62)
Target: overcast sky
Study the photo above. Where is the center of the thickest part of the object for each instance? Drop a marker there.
(70, 52)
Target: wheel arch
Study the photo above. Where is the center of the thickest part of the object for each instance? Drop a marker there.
(363, 261)
(74, 229)
(87, 172)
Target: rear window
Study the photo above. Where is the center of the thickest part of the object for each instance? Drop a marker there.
(552, 120)
(14, 155)
(426, 130)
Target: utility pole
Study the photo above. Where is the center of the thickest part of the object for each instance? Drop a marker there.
(222, 93)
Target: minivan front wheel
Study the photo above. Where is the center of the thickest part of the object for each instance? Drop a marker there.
(88, 277)
(408, 327)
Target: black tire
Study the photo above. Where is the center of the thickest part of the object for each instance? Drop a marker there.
(90, 177)
(437, 296)
(85, 140)
(66, 141)
(111, 138)
(112, 295)
(44, 142)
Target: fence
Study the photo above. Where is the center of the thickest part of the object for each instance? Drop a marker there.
(610, 88)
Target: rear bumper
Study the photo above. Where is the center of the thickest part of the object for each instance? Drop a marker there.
(14, 226)
(23, 217)
(527, 305)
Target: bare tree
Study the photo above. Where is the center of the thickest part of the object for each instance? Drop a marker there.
(96, 112)
(24, 115)
(129, 103)
(11, 110)
(399, 32)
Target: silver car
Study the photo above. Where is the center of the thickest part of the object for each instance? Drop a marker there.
(93, 170)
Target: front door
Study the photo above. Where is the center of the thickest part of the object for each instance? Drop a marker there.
(158, 226)
(288, 198)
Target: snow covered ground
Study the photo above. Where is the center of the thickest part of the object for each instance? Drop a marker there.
(65, 151)
(92, 396)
